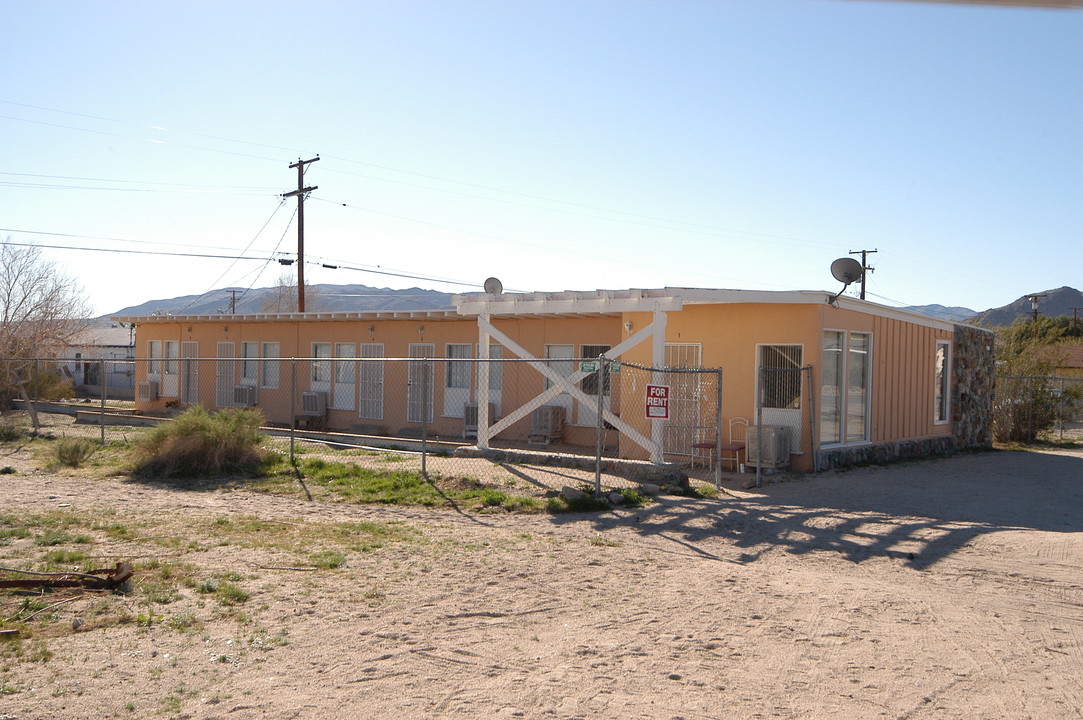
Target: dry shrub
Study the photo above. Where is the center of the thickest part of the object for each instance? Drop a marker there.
(197, 444)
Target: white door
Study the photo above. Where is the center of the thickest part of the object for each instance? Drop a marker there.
(372, 382)
(778, 381)
(419, 393)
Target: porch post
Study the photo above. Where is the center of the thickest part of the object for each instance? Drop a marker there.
(483, 382)
(658, 359)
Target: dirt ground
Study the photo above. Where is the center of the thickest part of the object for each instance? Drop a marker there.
(934, 589)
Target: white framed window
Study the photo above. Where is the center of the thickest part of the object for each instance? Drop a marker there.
(858, 369)
(154, 357)
(832, 374)
(321, 367)
(942, 383)
(346, 370)
(845, 379)
(589, 384)
(269, 363)
(249, 363)
(457, 374)
(171, 351)
(559, 358)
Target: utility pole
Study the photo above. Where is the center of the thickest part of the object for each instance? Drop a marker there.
(300, 193)
(1034, 303)
(233, 301)
(865, 269)
(1075, 319)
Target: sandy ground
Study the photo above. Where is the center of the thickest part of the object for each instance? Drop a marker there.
(938, 589)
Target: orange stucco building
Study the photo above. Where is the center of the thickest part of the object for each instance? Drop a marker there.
(850, 381)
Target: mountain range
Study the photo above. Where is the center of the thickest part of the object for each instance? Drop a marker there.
(362, 298)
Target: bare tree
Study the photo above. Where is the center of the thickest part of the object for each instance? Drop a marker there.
(41, 311)
(283, 297)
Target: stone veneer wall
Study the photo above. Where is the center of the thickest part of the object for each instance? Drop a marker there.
(973, 365)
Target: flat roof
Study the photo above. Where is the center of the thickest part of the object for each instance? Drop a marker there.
(598, 303)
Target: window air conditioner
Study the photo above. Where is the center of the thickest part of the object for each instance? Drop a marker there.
(470, 418)
(546, 424)
(148, 391)
(244, 395)
(776, 446)
(314, 404)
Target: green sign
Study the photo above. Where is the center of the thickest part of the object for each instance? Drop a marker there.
(591, 366)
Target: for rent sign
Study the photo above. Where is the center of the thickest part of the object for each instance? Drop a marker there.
(658, 402)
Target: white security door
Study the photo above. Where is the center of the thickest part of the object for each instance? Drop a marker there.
(225, 375)
(372, 382)
(419, 393)
(685, 425)
(779, 388)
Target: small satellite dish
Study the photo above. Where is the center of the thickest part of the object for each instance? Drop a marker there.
(846, 270)
(494, 286)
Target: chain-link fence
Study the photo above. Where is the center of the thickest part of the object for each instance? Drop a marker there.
(546, 423)
(1025, 407)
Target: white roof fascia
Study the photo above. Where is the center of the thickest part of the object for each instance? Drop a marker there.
(563, 305)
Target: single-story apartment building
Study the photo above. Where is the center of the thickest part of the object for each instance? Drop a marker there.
(849, 380)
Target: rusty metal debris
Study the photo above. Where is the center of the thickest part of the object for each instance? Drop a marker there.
(103, 579)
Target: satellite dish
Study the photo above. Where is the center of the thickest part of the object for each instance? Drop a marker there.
(846, 270)
(494, 286)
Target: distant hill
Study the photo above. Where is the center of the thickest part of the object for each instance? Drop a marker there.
(952, 314)
(1056, 302)
(318, 298)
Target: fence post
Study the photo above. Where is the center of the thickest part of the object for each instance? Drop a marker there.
(599, 424)
(759, 426)
(293, 408)
(718, 433)
(101, 373)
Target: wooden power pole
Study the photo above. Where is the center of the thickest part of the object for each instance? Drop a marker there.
(865, 269)
(300, 193)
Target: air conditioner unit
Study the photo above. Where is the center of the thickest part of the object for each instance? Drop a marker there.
(470, 418)
(546, 424)
(314, 404)
(148, 391)
(776, 446)
(244, 395)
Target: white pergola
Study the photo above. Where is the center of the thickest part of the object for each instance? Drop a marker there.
(612, 303)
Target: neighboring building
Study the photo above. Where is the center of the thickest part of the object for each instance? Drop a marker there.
(99, 350)
(852, 381)
(1071, 365)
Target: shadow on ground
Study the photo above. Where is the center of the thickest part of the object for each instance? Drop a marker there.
(920, 512)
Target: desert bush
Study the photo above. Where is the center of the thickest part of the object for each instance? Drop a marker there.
(197, 444)
(73, 452)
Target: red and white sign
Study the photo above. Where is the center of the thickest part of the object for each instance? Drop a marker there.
(658, 402)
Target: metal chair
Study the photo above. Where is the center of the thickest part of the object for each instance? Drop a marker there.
(728, 451)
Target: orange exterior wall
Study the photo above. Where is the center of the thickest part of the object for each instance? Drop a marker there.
(295, 338)
(901, 383)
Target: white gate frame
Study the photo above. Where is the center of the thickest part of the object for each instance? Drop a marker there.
(587, 303)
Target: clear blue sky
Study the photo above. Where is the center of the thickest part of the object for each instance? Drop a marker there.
(555, 145)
